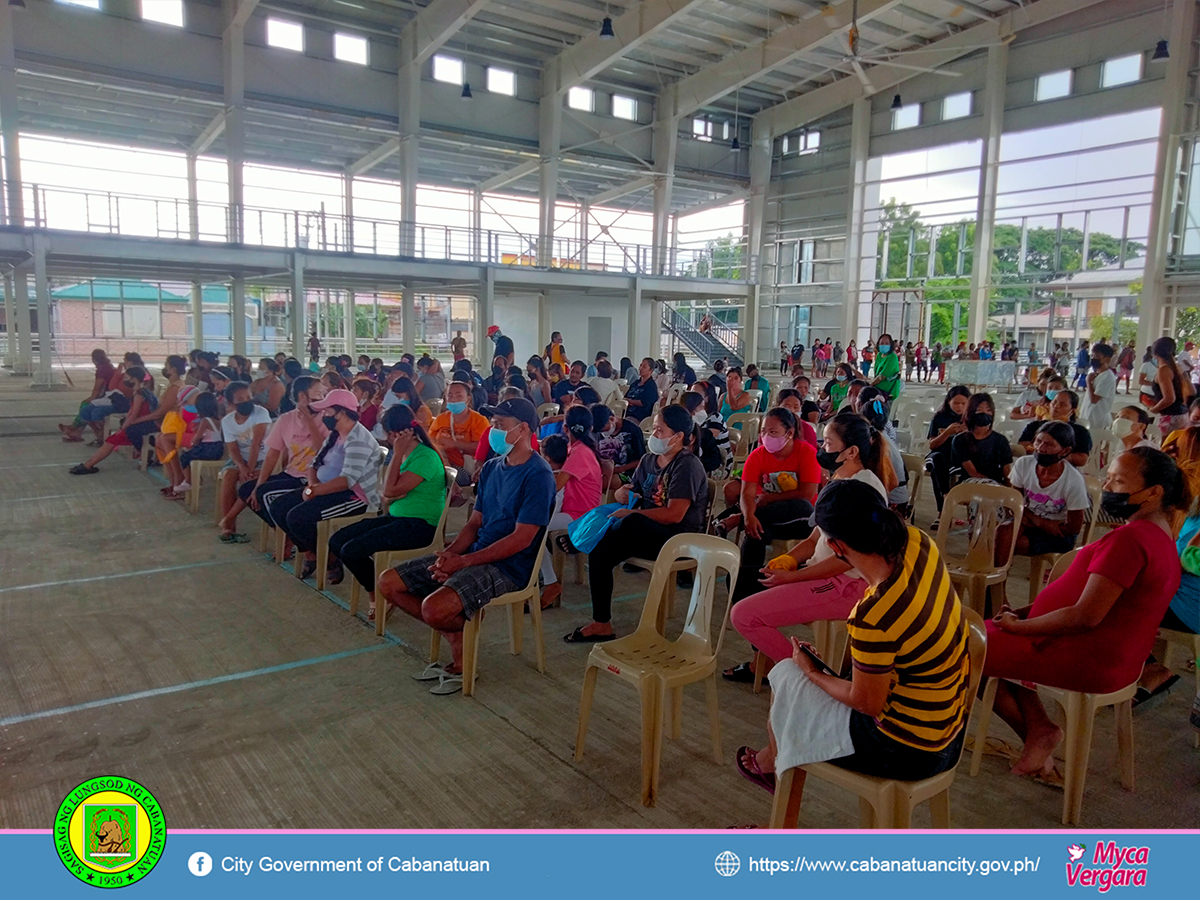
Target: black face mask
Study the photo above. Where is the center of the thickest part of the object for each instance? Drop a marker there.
(981, 420)
(830, 461)
(1095, 365)
(330, 422)
(497, 373)
(1046, 460)
(1117, 505)
(245, 407)
(166, 373)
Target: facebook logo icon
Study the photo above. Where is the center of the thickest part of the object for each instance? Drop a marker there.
(200, 864)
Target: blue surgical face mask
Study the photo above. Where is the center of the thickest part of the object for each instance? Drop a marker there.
(885, 348)
(498, 441)
(1051, 393)
(457, 408)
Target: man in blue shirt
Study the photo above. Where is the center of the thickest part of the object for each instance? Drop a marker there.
(494, 553)
(591, 370)
(642, 394)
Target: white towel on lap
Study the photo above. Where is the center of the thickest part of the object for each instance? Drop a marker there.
(810, 726)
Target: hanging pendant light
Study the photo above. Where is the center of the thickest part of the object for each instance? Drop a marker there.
(17, 4)
(466, 91)
(735, 144)
(606, 29)
(897, 103)
(1160, 51)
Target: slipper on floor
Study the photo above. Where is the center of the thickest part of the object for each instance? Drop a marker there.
(563, 542)
(72, 439)
(1143, 694)
(310, 569)
(751, 772)
(96, 443)
(335, 574)
(447, 684)
(81, 469)
(743, 673)
(236, 538)
(578, 637)
(432, 672)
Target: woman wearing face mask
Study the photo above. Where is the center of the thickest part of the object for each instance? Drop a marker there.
(404, 392)
(579, 479)
(903, 712)
(496, 381)
(369, 395)
(620, 441)
(839, 387)
(712, 421)
(343, 480)
(671, 490)
(736, 399)
(981, 452)
(267, 390)
(808, 583)
(947, 422)
(681, 372)
(244, 430)
(790, 399)
(414, 494)
(707, 450)
(1055, 494)
(1130, 426)
(457, 431)
(1171, 389)
(1093, 628)
(539, 385)
(1063, 407)
(887, 368)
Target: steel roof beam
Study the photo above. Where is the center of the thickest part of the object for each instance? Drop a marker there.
(621, 190)
(516, 173)
(438, 22)
(211, 132)
(785, 45)
(822, 101)
(373, 158)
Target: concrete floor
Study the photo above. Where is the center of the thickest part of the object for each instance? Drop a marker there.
(132, 642)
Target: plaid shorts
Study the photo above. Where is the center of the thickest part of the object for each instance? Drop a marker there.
(476, 586)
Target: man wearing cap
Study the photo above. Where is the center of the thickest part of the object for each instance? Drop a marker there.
(504, 345)
(495, 551)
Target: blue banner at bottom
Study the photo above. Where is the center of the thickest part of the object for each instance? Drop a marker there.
(532, 865)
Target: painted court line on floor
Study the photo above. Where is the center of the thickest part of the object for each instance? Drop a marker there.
(190, 685)
(76, 495)
(158, 571)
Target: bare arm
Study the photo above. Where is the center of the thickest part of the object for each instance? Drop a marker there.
(1099, 594)
(523, 535)
(467, 536)
(1163, 380)
(866, 692)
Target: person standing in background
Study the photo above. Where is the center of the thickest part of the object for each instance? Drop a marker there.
(314, 348)
(458, 347)
(555, 352)
(868, 357)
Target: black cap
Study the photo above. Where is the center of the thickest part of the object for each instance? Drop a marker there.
(521, 409)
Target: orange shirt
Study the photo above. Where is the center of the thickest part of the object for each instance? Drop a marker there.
(472, 430)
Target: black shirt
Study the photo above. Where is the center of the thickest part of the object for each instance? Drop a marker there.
(989, 456)
(646, 394)
(625, 445)
(562, 388)
(942, 420)
(1083, 437)
(504, 347)
(710, 453)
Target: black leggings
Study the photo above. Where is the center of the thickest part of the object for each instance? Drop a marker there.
(877, 754)
(299, 517)
(268, 492)
(785, 520)
(940, 476)
(356, 544)
(634, 535)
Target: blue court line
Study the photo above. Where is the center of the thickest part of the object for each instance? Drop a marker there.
(190, 685)
(158, 571)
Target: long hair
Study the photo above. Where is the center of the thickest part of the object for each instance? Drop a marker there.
(855, 431)
(853, 512)
(710, 397)
(959, 390)
(578, 425)
(400, 418)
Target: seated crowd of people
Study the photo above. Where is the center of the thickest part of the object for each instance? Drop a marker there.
(536, 448)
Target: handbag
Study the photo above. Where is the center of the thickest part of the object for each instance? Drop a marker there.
(586, 531)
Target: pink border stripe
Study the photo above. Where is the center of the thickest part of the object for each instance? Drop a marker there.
(646, 831)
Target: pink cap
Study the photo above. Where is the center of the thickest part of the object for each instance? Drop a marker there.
(339, 397)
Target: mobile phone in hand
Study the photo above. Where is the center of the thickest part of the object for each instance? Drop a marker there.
(818, 662)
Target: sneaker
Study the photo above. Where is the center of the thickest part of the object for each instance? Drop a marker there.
(183, 487)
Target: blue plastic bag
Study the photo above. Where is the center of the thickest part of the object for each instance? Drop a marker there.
(586, 531)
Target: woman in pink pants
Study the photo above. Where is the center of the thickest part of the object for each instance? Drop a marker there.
(826, 587)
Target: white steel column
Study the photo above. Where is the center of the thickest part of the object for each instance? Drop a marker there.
(654, 338)
(585, 227)
(22, 360)
(237, 315)
(10, 321)
(23, 364)
(484, 307)
(635, 319)
(549, 145)
(860, 149)
(665, 142)
(408, 319)
(234, 57)
(45, 371)
(543, 319)
(194, 233)
(477, 225)
(409, 82)
(1174, 123)
(989, 178)
(299, 311)
(348, 210)
(349, 328)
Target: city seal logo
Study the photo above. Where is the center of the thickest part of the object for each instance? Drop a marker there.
(109, 832)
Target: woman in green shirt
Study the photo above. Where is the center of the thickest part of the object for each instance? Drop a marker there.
(414, 495)
(887, 367)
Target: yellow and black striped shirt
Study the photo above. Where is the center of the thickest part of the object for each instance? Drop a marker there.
(912, 626)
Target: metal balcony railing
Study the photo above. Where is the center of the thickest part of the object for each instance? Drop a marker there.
(705, 345)
(132, 215)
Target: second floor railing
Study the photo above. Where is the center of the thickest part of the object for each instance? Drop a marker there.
(133, 215)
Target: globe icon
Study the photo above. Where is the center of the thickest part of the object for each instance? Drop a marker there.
(727, 863)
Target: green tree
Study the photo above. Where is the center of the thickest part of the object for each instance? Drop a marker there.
(1102, 328)
(1187, 324)
(723, 257)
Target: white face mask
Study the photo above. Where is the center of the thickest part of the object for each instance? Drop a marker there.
(700, 417)
(1122, 427)
(657, 445)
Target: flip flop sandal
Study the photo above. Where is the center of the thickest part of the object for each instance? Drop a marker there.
(751, 772)
(95, 443)
(448, 684)
(237, 538)
(578, 637)
(335, 574)
(432, 672)
(1143, 694)
(310, 569)
(742, 674)
(71, 439)
(81, 469)
(563, 542)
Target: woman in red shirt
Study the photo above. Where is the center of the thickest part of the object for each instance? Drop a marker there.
(1093, 628)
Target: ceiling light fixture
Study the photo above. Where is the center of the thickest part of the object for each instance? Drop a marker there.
(1161, 52)
(606, 29)
(897, 103)
(17, 4)
(466, 91)
(735, 144)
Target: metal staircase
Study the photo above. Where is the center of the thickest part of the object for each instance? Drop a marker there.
(723, 341)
